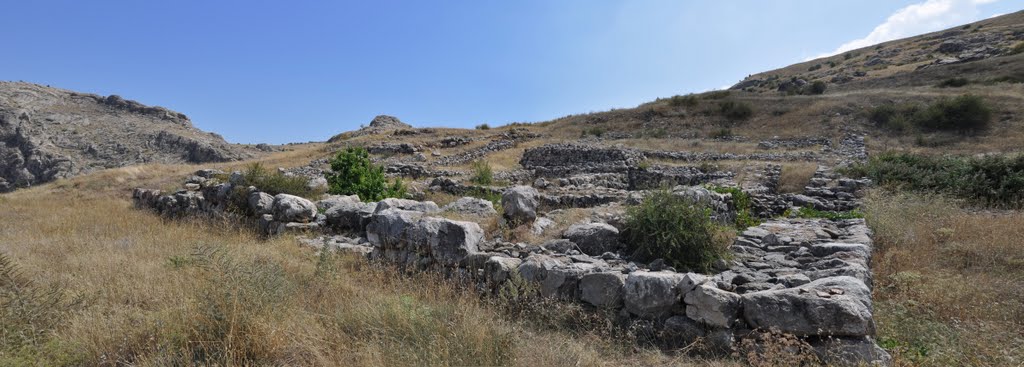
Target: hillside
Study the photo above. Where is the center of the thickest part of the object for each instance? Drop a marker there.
(860, 215)
(49, 133)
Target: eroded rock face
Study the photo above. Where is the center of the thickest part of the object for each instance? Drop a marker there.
(49, 133)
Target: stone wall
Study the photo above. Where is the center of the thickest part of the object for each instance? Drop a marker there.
(565, 159)
(806, 277)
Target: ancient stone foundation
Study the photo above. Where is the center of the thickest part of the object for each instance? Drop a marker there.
(806, 277)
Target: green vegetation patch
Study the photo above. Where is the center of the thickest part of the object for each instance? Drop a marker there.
(809, 212)
(735, 110)
(996, 181)
(742, 202)
(964, 114)
(675, 229)
(482, 173)
(354, 174)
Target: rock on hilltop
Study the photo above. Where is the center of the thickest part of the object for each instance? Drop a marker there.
(49, 133)
(380, 124)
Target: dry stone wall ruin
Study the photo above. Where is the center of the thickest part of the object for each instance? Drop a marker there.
(805, 277)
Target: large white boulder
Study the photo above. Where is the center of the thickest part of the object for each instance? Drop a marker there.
(291, 208)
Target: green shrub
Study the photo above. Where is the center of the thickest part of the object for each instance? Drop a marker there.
(814, 67)
(595, 131)
(482, 173)
(809, 212)
(996, 181)
(720, 133)
(688, 100)
(817, 87)
(742, 203)
(354, 174)
(893, 117)
(735, 110)
(672, 228)
(483, 127)
(953, 83)
(964, 114)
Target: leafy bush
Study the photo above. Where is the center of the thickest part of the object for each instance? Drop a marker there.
(817, 87)
(742, 203)
(814, 67)
(688, 100)
(483, 127)
(992, 180)
(735, 110)
(720, 133)
(482, 173)
(596, 131)
(355, 174)
(672, 228)
(953, 83)
(963, 114)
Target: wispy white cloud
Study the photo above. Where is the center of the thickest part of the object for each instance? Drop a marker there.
(924, 17)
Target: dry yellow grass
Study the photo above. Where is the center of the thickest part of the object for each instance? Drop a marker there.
(151, 291)
(795, 176)
(949, 282)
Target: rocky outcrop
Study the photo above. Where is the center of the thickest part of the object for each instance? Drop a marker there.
(48, 133)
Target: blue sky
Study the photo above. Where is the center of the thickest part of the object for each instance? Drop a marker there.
(277, 72)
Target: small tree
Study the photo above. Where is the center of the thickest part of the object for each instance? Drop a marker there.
(354, 174)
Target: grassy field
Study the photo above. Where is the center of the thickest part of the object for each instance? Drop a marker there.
(948, 281)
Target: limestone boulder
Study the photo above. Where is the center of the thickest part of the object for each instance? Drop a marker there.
(837, 306)
(593, 238)
(471, 206)
(291, 208)
(712, 306)
(651, 294)
(603, 289)
(261, 203)
(520, 204)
